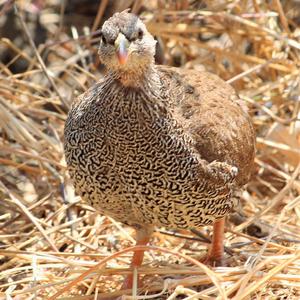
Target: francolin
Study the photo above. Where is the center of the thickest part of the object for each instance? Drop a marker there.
(151, 145)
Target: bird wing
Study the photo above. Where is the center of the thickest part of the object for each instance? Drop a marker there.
(214, 116)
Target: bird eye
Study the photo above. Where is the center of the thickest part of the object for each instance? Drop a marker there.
(140, 34)
(104, 41)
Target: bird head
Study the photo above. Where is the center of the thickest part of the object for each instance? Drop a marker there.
(126, 45)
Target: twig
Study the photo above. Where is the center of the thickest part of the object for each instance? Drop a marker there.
(137, 5)
(100, 13)
(276, 200)
(282, 17)
(7, 6)
(30, 216)
(210, 273)
(43, 66)
(61, 17)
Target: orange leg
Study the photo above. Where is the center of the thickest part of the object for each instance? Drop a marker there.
(216, 251)
(142, 239)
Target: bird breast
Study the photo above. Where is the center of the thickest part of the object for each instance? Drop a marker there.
(132, 161)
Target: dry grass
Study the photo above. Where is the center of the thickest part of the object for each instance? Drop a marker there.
(50, 240)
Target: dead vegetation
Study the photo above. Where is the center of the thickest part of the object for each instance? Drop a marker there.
(51, 242)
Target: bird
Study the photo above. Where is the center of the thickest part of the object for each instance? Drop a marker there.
(157, 146)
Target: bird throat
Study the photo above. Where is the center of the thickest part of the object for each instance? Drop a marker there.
(135, 77)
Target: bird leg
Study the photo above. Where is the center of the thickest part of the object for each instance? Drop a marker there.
(216, 252)
(142, 238)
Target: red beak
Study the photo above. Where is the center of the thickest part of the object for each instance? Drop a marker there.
(122, 45)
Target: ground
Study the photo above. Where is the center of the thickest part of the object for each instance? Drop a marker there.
(48, 237)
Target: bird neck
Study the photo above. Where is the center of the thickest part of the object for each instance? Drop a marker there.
(135, 77)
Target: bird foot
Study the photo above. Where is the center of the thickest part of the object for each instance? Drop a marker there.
(128, 283)
(213, 260)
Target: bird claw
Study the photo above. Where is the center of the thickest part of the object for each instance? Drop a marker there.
(213, 261)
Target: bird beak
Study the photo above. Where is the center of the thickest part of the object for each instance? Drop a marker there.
(121, 46)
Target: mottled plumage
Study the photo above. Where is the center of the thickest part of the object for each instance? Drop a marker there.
(154, 145)
(141, 155)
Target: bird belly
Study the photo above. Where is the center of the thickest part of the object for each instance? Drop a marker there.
(155, 186)
(140, 168)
